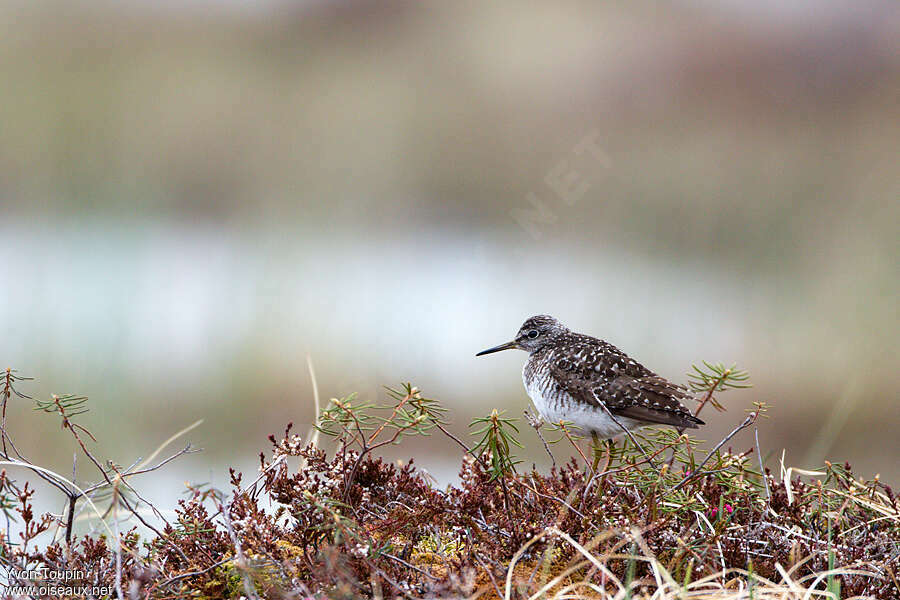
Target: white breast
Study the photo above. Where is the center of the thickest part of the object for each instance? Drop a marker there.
(556, 405)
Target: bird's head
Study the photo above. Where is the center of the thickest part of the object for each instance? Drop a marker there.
(535, 333)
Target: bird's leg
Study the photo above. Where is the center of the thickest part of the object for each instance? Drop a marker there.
(597, 449)
(629, 434)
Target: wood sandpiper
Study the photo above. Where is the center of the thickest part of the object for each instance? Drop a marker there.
(592, 384)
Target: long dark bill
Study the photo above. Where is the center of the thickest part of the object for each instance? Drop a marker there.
(506, 346)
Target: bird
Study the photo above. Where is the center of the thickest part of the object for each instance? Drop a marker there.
(592, 384)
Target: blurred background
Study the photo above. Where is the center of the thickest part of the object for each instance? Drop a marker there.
(196, 196)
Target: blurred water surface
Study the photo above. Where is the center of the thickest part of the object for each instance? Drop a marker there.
(161, 324)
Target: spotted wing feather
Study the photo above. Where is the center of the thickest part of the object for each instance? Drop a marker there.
(651, 399)
(595, 371)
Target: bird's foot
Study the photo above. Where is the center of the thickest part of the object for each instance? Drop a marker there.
(597, 449)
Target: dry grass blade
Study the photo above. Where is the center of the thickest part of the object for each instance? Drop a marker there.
(165, 444)
(313, 435)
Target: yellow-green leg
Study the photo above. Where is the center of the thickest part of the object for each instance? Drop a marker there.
(597, 449)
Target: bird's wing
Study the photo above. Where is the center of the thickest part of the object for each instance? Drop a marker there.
(652, 399)
(624, 386)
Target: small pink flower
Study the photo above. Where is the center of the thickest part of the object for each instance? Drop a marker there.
(729, 508)
(713, 512)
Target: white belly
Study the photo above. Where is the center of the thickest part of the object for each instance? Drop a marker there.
(560, 406)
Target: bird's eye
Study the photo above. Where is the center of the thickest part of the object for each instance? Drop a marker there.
(533, 333)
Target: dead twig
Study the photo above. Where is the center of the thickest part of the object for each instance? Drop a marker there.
(751, 418)
(565, 431)
(536, 423)
(177, 578)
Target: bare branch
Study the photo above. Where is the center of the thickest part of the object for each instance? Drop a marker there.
(751, 418)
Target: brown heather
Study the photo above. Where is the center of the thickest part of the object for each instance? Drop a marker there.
(677, 523)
